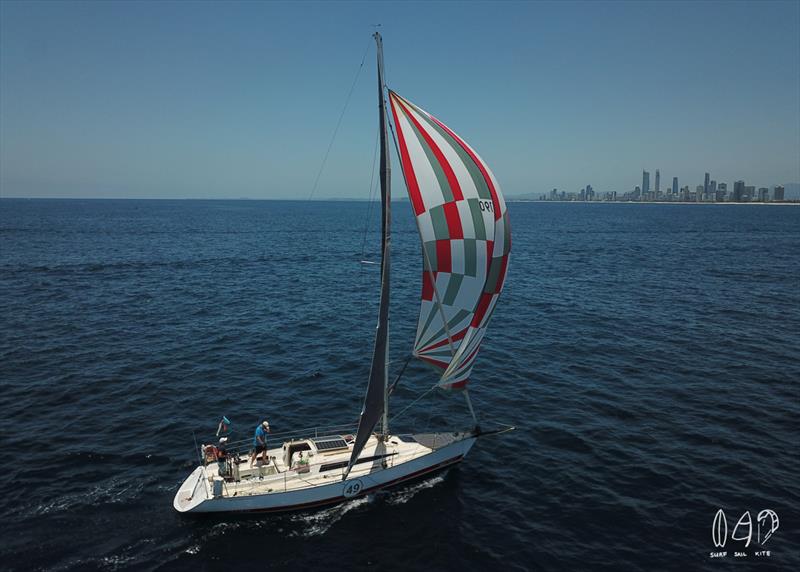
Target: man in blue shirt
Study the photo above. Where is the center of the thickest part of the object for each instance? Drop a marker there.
(260, 442)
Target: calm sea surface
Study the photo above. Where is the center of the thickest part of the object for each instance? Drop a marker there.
(649, 356)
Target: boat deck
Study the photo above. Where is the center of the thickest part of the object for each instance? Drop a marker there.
(322, 467)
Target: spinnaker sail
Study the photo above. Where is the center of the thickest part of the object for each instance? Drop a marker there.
(466, 239)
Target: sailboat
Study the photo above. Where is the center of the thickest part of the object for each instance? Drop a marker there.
(463, 224)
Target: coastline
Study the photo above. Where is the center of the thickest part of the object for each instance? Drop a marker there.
(784, 203)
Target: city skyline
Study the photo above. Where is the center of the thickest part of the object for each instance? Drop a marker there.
(710, 191)
(207, 100)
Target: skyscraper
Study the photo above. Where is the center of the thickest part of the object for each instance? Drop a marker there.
(705, 184)
(778, 193)
(738, 191)
(645, 182)
(722, 192)
(674, 185)
(658, 180)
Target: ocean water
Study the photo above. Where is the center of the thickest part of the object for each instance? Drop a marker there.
(649, 356)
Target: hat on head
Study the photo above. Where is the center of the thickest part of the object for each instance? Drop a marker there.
(223, 439)
(266, 424)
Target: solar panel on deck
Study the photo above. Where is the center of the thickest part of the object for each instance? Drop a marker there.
(326, 444)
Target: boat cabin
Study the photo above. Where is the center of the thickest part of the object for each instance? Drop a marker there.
(312, 454)
(314, 450)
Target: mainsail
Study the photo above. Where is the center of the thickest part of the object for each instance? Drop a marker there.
(466, 239)
(375, 401)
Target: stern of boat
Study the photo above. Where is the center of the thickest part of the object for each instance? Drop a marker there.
(192, 493)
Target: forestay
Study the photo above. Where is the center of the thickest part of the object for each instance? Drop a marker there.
(463, 223)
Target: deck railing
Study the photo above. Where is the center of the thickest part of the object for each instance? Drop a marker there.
(245, 446)
(242, 447)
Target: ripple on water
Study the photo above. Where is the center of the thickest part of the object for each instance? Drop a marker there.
(649, 365)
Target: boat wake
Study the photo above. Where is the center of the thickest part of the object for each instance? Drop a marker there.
(320, 522)
(116, 491)
(217, 531)
(402, 496)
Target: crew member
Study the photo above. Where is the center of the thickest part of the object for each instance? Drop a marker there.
(222, 456)
(260, 442)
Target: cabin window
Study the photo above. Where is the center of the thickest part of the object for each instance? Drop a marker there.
(343, 464)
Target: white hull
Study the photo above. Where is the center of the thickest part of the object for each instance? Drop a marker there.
(286, 489)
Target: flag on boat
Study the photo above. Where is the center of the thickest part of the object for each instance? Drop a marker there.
(223, 426)
(466, 239)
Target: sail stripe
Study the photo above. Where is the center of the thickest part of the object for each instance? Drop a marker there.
(433, 161)
(453, 288)
(455, 188)
(456, 337)
(502, 276)
(472, 168)
(483, 305)
(471, 257)
(480, 165)
(455, 323)
(443, 258)
(453, 220)
(506, 236)
(472, 356)
(427, 285)
(408, 168)
(494, 275)
(430, 253)
(422, 329)
(436, 362)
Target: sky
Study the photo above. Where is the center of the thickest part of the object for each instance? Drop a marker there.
(233, 100)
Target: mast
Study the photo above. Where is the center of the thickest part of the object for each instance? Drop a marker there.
(376, 406)
(386, 201)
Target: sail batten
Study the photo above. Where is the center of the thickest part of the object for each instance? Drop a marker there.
(463, 224)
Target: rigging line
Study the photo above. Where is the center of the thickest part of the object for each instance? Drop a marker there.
(428, 422)
(372, 189)
(434, 386)
(368, 218)
(427, 261)
(399, 375)
(371, 202)
(339, 122)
